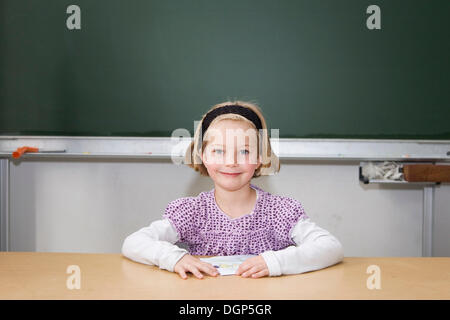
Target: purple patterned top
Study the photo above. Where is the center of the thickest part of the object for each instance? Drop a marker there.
(208, 231)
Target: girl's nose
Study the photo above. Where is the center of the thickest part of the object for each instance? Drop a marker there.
(231, 159)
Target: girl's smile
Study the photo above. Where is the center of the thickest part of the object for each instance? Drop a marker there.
(230, 174)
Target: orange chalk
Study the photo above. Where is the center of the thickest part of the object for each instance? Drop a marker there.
(20, 151)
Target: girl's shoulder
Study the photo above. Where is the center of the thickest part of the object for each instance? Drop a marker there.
(283, 213)
(188, 206)
(281, 206)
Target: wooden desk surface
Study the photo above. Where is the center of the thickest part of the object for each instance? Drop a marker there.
(34, 275)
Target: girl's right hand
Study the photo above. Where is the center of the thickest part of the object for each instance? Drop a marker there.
(194, 265)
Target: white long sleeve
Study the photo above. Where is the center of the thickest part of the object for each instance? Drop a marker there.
(154, 245)
(315, 249)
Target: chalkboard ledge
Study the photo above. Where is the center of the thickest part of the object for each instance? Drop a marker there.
(174, 148)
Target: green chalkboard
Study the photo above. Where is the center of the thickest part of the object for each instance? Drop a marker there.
(148, 67)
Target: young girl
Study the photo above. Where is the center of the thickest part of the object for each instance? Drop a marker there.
(231, 146)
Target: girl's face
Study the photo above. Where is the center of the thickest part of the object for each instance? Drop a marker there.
(231, 153)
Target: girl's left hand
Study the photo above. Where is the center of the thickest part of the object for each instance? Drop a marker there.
(254, 267)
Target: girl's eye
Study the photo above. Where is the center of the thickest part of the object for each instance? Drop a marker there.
(245, 152)
(218, 151)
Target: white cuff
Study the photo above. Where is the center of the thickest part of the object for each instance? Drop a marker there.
(169, 262)
(272, 263)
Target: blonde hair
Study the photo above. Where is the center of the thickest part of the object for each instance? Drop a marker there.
(270, 164)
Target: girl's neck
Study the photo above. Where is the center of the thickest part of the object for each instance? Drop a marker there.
(237, 202)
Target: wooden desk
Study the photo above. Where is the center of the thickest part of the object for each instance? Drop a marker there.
(33, 275)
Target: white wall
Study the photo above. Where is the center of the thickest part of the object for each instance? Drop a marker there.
(92, 205)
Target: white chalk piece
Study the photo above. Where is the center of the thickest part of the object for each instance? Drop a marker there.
(386, 170)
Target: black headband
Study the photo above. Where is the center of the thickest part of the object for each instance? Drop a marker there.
(236, 109)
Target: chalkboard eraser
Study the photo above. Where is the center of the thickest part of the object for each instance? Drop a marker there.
(426, 173)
